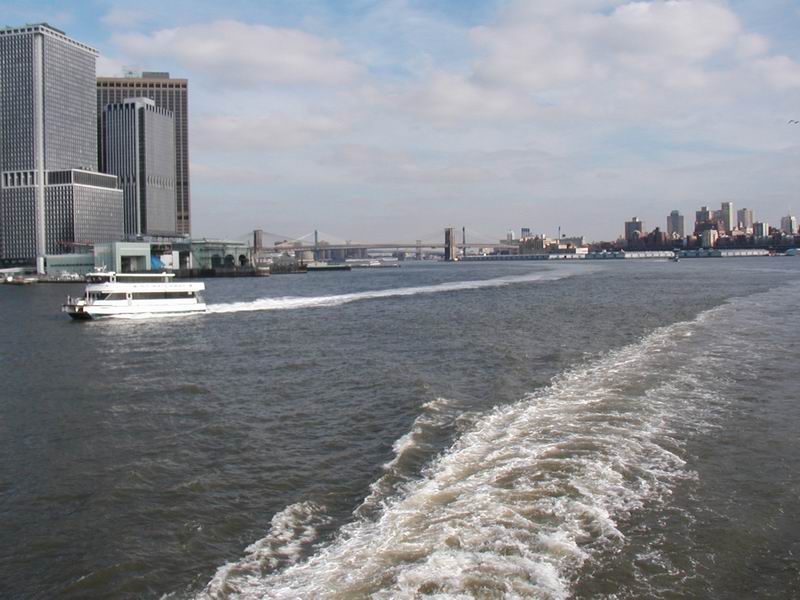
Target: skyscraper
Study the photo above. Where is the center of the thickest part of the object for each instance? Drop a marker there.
(727, 217)
(138, 143)
(633, 229)
(675, 225)
(744, 218)
(166, 93)
(50, 196)
(703, 219)
(789, 225)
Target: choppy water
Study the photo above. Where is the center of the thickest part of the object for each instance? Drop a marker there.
(444, 431)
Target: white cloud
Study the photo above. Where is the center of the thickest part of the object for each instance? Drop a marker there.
(125, 17)
(239, 54)
(253, 133)
(108, 67)
(781, 72)
(750, 45)
(372, 163)
(605, 60)
(447, 97)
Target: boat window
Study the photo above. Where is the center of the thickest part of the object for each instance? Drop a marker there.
(162, 295)
(97, 296)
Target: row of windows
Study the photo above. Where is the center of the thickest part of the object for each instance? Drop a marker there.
(140, 295)
(170, 86)
(19, 179)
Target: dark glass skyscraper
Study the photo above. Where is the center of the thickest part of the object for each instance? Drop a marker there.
(139, 147)
(170, 94)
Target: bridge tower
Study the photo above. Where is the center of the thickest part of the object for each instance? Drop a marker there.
(450, 244)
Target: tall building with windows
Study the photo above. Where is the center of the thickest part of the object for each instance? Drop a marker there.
(727, 217)
(704, 219)
(634, 229)
(138, 144)
(675, 229)
(789, 225)
(744, 218)
(170, 94)
(50, 195)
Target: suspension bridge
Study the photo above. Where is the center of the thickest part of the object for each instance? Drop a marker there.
(317, 241)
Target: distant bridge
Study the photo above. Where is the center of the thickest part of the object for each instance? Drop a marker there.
(449, 243)
(383, 246)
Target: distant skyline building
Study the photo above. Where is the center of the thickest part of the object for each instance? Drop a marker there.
(633, 229)
(744, 219)
(726, 221)
(760, 230)
(709, 238)
(51, 196)
(138, 142)
(789, 225)
(171, 94)
(525, 233)
(703, 219)
(675, 229)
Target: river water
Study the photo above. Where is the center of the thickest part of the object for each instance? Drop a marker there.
(615, 430)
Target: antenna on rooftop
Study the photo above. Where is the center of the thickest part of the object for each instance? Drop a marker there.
(131, 71)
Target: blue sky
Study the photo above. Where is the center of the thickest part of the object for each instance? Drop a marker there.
(390, 119)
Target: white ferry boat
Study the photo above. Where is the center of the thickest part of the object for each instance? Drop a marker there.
(110, 293)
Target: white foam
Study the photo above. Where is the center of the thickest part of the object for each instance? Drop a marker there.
(291, 532)
(439, 414)
(297, 302)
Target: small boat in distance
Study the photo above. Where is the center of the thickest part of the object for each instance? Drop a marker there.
(326, 266)
(109, 294)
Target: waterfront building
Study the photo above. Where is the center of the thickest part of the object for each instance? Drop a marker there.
(634, 229)
(576, 241)
(789, 225)
(726, 222)
(675, 229)
(51, 196)
(138, 142)
(744, 218)
(525, 233)
(171, 94)
(760, 230)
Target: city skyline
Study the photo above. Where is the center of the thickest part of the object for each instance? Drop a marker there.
(490, 115)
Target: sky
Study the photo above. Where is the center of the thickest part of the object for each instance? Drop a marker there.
(390, 120)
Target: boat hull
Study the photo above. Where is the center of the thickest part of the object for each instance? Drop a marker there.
(87, 312)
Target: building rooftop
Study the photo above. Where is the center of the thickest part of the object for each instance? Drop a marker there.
(49, 30)
(146, 77)
(31, 26)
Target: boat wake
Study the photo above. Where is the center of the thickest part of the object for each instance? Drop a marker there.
(295, 302)
(292, 532)
(530, 491)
